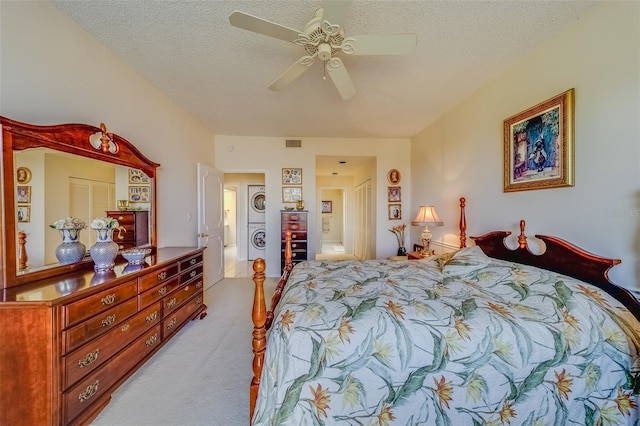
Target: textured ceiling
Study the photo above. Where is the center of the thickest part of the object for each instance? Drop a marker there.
(221, 74)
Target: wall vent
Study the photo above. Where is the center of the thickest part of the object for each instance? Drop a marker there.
(294, 143)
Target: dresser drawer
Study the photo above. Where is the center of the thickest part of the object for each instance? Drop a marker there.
(191, 274)
(174, 300)
(153, 279)
(295, 245)
(95, 326)
(294, 227)
(123, 218)
(298, 235)
(95, 385)
(293, 217)
(85, 308)
(158, 292)
(192, 261)
(173, 322)
(87, 358)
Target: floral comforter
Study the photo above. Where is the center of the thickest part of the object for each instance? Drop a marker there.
(452, 340)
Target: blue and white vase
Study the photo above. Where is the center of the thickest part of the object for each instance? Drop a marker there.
(71, 250)
(104, 251)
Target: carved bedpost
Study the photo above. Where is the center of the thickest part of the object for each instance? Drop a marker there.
(22, 251)
(522, 239)
(259, 342)
(288, 254)
(463, 224)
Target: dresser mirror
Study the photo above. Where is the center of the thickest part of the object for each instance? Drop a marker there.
(53, 172)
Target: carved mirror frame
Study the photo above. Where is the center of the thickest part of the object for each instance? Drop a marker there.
(80, 139)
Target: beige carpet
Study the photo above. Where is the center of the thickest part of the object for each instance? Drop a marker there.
(202, 375)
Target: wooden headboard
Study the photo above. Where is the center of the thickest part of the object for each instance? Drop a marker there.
(559, 256)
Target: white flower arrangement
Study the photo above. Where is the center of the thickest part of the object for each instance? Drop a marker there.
(104, 223)
(68, 223)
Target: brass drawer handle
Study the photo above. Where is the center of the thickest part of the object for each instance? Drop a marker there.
(199, 284)
(162, 291)
(89, 391)
(293, 236)
(162, 275)
(171, 324)
(193, 262)
(293, 254)
(171, 303)
(120, 217)
(294, 245)
(152, 316)
(88, 359)
(124, 327)
(109, 320)
(193, 274)
(108, 300)
(198, 300)
(152, 340)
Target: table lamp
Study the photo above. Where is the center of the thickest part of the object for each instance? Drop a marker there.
(426, 216)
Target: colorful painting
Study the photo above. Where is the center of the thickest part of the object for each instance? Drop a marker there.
(538, 146)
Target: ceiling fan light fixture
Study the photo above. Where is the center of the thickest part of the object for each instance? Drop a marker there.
(324, 52)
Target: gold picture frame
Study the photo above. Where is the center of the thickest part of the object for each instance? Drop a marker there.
(539, 145)
(139, 194)
(291, 194)
(291, 176)
(395, 211)
(24, 214)
(23, 194)
(23, 175)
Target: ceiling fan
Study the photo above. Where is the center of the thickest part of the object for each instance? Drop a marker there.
(323, 38)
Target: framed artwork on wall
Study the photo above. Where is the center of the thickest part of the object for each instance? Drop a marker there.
(23, 194)
(394, 194)
(393, 176)
(395, 211)
(24, 214)
(23, 175)
(138, 177)
(291, 194)
(139, 194)
(291, 176)
(539, 145)
(327, 207)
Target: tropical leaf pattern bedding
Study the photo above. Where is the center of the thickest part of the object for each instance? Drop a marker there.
(458, 339)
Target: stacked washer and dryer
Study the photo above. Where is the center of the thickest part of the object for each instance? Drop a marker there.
(257, 229)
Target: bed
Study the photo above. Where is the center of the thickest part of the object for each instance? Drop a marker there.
(484, 335)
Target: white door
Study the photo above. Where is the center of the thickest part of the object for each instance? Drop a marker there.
(211, 222)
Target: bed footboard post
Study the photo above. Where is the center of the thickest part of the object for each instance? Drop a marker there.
(463, 223)
(259, 341)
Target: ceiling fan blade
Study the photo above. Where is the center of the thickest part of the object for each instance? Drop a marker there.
(392, 44)
(335, 11)
(340, 77)
(293, 72)
(262, 26)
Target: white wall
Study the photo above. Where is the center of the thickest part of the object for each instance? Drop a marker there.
(269, 155)
(462, 153)
(53, 72)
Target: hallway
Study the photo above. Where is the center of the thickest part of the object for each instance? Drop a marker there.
(244, 269)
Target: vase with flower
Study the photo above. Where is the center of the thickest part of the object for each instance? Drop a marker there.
(71, 250)
(105, 250)
(398, 230)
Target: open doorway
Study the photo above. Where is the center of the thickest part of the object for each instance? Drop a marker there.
(240, 221)
(333, 221)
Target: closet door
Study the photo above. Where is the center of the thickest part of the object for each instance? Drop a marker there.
(89, 199)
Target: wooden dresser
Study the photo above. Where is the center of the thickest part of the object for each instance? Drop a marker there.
(68, 341)
(296, 221)
(136, 228)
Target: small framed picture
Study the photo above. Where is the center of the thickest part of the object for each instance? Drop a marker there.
(394, 194)
(327, 207)
(24, 214)
(138, 177)
(23, 194)
(139, 194)
(292, 176)
(395, 211)
(23, 175)
(393, 176)
(291, 194)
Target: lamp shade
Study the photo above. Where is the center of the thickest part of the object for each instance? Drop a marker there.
(427, 216)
